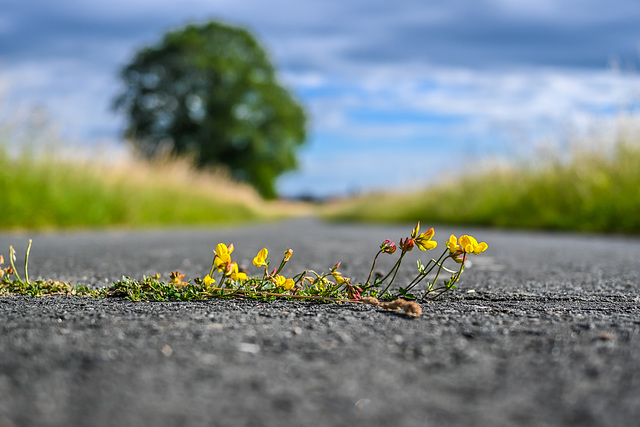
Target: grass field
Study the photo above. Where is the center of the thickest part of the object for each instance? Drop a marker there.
(594, 190)
(44, 191)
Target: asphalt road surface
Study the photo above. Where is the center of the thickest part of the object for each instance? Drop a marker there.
(544, 330)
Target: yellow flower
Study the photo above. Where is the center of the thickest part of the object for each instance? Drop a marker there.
(261, 258)
(452, 245)
(223, 251)
(287, 254)
(471, 245)
(283, 282)
(233, 273)
(176, 278)
(339, 279)
(223, 256)
(424, 242)
(208, 280)
(320, 283)
(240, 276)
(289, 284)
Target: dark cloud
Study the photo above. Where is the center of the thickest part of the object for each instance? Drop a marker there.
(453, 33)
(68, 29)
(481, 36)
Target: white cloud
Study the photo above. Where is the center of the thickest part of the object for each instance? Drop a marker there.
(510, 96)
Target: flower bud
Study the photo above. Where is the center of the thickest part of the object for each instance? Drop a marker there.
(389, 248)
(460, 258)
(415, 231)
(407, 245)
(176, 277)
(231, 268)
(353, 292)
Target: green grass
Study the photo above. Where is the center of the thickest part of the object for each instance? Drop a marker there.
(595, 191)
(41, 191)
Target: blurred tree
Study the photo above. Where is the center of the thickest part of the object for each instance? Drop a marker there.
(210, 91)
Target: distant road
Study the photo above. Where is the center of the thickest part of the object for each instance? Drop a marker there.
(543, 330)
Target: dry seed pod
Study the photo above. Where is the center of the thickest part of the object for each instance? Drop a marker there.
(411, 308)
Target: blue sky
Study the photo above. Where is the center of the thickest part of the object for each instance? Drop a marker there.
(397, 91)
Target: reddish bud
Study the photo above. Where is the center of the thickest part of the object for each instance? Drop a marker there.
(353, 292)
(407, 245)
(460, 258)
(388, 247)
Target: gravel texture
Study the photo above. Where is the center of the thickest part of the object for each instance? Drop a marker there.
(543, 331)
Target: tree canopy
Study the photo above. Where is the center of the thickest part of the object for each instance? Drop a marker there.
(210, 91)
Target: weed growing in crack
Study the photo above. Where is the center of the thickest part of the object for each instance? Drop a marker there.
(12, 283)
(226, 280)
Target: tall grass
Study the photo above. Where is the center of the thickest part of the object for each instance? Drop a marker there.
(42, 191)
(45, 183)
(596, 190)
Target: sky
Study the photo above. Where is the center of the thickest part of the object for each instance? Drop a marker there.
(399, 93)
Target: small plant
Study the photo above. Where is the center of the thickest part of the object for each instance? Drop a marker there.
(334, 285)
(12, 283)
(226, 280)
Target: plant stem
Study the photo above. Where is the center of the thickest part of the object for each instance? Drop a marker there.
(372, 267)
(454, 278)
(276, 294)
(26, 262)
(425, 272)
(12, 254)
(282, 264)
(213, 264)
(395, 266)
(394, 269)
